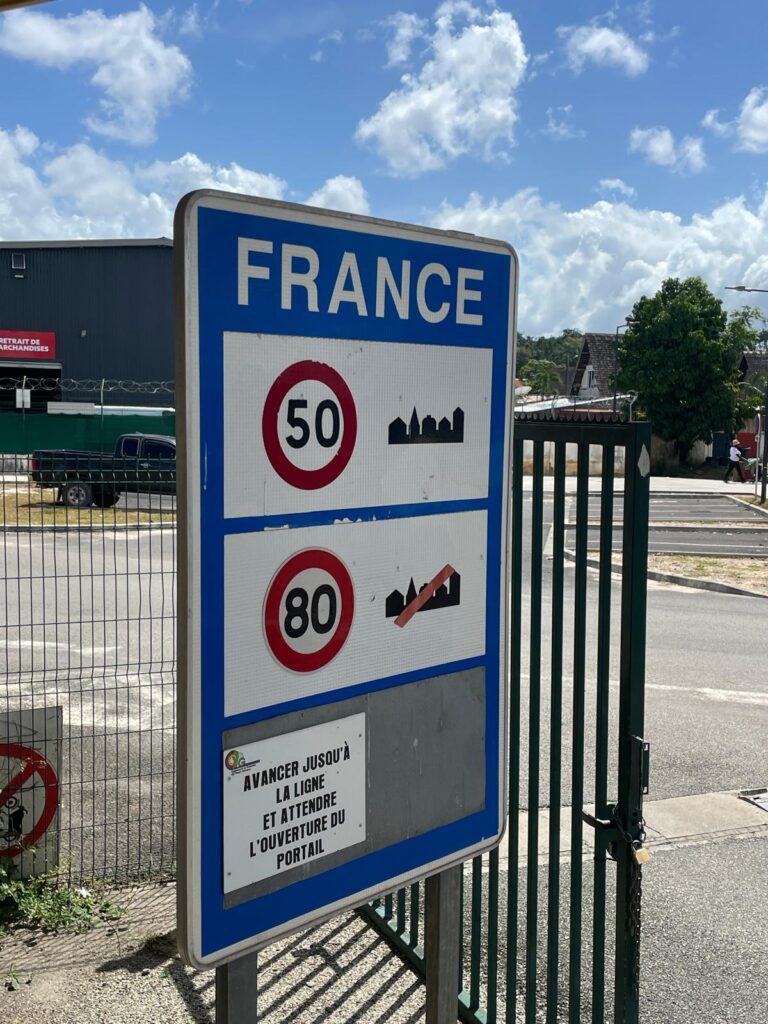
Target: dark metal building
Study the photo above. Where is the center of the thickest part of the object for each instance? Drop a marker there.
(88, 310)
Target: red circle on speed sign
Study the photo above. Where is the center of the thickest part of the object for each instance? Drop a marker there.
(308, 610)
(308, 479)
(32, 763)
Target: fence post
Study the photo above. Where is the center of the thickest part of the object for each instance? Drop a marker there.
(629, 807)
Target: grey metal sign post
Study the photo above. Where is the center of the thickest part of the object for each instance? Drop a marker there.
(345, 391)
(443, 925)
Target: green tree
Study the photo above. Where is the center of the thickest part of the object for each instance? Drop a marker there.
(542, 375)
(681, 355)
(561, 349)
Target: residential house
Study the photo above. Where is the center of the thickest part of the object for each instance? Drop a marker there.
(596, 367)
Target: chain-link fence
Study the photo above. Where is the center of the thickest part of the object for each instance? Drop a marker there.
(88, 617)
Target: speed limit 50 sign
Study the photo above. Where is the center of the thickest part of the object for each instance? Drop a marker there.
(345, 395)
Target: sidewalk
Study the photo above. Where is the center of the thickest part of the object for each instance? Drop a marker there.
(344, 973)
(130, 973)
(658, 485)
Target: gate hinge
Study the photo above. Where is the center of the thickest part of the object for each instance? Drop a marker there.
(646, 774)
(643, 748)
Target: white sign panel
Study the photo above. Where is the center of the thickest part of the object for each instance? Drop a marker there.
(419, 413)
(293, 799)
(288, 637)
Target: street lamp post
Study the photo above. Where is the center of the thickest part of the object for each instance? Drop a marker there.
(764, 425)
(628, 322)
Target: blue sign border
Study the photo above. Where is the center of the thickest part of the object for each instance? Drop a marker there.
(217, 233)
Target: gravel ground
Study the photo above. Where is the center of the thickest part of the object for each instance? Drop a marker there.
(341, 972)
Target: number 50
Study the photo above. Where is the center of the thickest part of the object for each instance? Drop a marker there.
(298, 422)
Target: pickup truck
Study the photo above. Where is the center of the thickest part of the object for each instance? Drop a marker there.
(141, 462)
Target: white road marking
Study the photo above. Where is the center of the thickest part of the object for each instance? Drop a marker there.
(755, 698)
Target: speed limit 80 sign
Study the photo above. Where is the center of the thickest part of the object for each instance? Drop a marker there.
(308, 610)
(344, 436)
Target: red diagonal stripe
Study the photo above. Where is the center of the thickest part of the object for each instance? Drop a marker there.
(423, 596)
(16, 783)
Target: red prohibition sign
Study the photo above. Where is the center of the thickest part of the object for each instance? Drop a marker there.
(33, 763)
(275, 608)
(308, 479)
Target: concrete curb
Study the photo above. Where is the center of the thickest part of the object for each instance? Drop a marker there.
(116, 528)
(680, 581)
(740, 501)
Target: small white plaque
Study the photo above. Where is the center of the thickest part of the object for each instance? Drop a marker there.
(293, 799)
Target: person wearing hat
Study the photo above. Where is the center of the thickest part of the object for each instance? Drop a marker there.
(734, 462)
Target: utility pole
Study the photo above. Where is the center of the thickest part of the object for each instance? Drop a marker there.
(764, 456)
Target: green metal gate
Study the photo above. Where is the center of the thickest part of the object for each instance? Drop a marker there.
(560, 899)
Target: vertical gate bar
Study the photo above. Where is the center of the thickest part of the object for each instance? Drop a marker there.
(601, 730)
(534, 754)
(516, 618)
(477, 930)
(415, 915)
(401, 912)
(631, 716)
(388, 907)
(461, 931)
(577, 743)
(493, 935)
(555, 734)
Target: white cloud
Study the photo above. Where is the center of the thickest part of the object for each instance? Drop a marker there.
(140, 75)
(752, 126)
(332, 37)
(341, 193)
(659, 147)
(80, 193)
(559, 126)
(187, 172)
(191, 24)
(586, 267)
(604, 46)
(617, 185)
(407, 29)
(712, 122)
(463, 98)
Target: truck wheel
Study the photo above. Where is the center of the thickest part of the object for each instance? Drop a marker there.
(105, 497)
(78, 494)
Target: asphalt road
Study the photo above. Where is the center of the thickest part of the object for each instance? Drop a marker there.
(91, 625)
(742, 542)
(705, 906)
(720, 526)
(686, 508)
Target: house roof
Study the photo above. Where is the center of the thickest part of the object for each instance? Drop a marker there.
(599, 351)
(752, 363)
(88, 243)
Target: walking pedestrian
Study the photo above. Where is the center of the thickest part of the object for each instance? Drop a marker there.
(734, 462)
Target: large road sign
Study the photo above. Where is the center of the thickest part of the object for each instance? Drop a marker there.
(344, 443)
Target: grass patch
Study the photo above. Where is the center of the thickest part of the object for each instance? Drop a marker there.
(33, 506)
(748, 573)
(43, 902)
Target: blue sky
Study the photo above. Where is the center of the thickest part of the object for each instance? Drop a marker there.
(613, 145)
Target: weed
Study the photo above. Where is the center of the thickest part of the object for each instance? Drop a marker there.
(45, 902)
